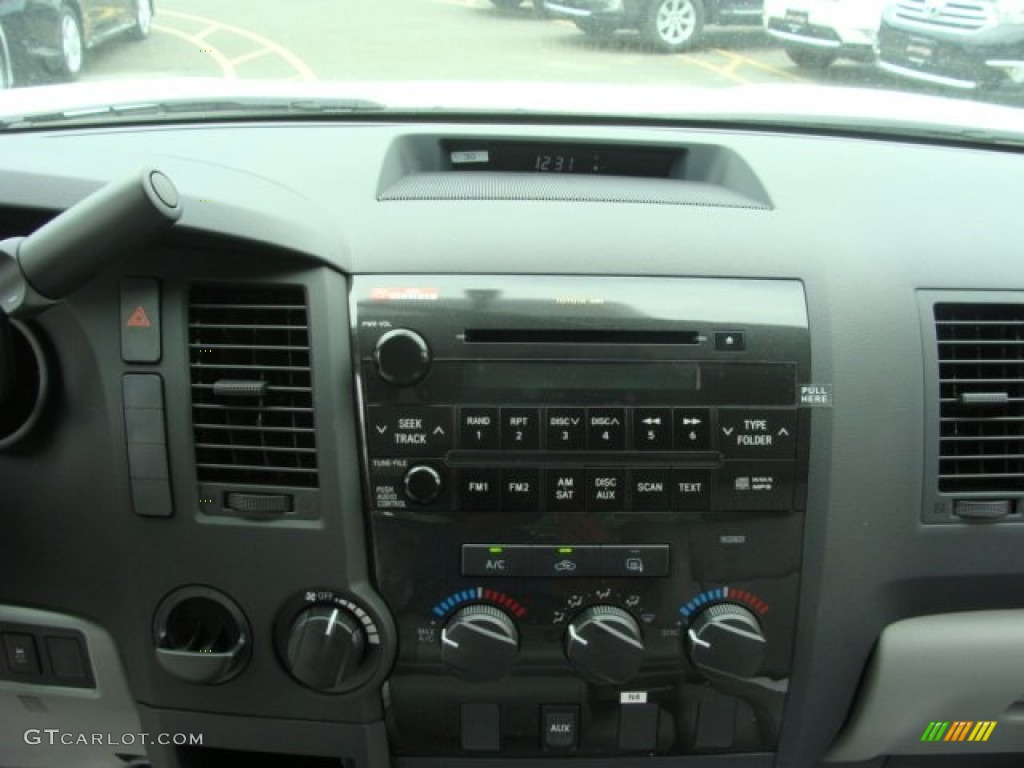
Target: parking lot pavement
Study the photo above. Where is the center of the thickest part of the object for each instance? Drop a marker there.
(440, 40)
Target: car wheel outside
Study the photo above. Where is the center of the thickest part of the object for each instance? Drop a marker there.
(70, 44)
(673, 25)
(143, 20)
(806, 58)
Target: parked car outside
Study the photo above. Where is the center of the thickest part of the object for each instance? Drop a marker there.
(814, 33)
(667, 25)
(967, 44)
(54, 35)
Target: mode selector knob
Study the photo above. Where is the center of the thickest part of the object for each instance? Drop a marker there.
(605, 645)
(480, 642)
(326, 645)
(727, 638)
(402, 357)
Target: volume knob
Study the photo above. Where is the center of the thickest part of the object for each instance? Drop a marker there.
(402, 357)
(605, 645)
(480, 642)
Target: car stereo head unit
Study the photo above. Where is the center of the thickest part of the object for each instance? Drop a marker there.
(592, 488)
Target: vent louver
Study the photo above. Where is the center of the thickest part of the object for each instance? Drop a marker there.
(252, 394)
(981, 384)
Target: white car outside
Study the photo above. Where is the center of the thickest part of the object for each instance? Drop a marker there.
(814, 33)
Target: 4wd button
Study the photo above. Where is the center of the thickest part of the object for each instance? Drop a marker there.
(757, 434)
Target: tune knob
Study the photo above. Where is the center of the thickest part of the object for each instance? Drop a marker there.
(605, 645)
(480, 642)
(422, 484)
(727, 638)
(326, 644)
(402, 357)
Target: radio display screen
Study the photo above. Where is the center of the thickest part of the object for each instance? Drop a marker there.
(555, 379)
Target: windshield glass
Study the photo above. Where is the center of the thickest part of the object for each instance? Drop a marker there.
(937, 62)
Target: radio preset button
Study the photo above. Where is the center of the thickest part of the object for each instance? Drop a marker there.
(565, 490)
(640, 561)
(495, 560)
(479, 490)
(520, 429)
(606, 429)
(691, 490)
(478, 428)
(693, 429)
(520, 490)
(652, 429)
(566, 428)
(757, 434)
(651, 489)
(606, 490)
(566, 561)
(409, 430)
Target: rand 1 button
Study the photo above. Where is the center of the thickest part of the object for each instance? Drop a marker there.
(520, 490)
(567, 561)
(757, 433)
(520, 429)
(755, 486)
(409, 430)
(495, 560)
(691, 490)
(478, 428)
(606, 429)
(652, 429)
(635, 561)
(566, 428)
(606, 490)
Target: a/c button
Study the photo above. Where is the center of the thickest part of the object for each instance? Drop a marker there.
(495, 560)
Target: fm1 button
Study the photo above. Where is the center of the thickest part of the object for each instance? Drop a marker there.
(480, 490)
(495, 560)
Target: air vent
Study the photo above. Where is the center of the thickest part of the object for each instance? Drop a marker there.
(252, 390)
(981, 384)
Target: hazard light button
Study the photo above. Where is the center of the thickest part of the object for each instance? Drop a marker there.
(140, 320)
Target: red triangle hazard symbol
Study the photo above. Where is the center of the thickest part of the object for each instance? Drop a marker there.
(139, 319)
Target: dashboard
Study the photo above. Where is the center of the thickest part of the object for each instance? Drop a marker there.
(424, 442)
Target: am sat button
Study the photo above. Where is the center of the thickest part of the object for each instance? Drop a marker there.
(495, 560)
(566, 561)
(638, 561)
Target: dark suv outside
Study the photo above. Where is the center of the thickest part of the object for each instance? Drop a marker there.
(965, 44)
(668, 25)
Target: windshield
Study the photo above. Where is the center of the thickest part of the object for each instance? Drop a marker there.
(911, 63)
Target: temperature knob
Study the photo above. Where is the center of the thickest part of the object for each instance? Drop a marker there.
(727, 638)
(480, 642)
(605, 645)
(326, 644)
(402, 357)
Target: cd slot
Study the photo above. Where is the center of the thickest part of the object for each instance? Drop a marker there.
(578, 336)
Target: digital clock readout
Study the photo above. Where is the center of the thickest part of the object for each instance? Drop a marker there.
(528, 157)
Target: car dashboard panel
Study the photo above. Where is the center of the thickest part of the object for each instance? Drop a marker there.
(433, 443)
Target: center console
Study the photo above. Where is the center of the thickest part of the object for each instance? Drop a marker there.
(587, 500)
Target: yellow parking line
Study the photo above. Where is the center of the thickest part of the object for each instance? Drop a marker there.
(304, 71)
(246, 57)
(713, 68)
(745, 61)
(218, 56)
